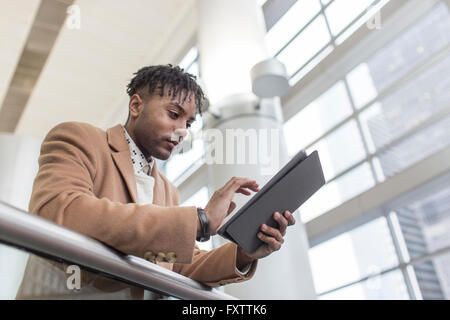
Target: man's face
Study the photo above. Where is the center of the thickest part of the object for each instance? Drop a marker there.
(159, 123)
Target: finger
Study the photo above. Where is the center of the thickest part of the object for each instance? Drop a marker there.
(231, 207)
(282, 222)
(275, 233)
(243, 191)
(238, 183)
(240, 180)
(290, 217)
(274, 245)
(246, 190)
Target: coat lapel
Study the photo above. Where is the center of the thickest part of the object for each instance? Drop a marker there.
(122, 158)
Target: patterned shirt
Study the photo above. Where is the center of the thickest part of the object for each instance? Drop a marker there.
(140, 163)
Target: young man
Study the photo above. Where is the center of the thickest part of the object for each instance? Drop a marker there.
(106, 185)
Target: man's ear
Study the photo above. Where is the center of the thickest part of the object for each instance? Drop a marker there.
(135, 106)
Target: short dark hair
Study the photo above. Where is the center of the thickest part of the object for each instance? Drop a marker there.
(167, 77)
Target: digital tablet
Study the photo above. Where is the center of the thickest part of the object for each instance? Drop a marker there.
(295, 183)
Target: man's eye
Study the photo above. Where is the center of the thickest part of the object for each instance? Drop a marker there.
(174, 114)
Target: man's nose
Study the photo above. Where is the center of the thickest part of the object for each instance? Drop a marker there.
(179, 134)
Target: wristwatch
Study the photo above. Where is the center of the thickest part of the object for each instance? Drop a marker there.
(204, 225)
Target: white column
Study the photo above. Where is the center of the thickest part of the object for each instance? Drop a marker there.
(231, 42)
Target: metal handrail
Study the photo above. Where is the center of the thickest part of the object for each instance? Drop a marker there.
(32, 233)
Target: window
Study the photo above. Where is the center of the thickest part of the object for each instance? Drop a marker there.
(424, 224)
(361, 85)
(317, 118)
(339, 150)
(367, 130)
(181, 162)
(364, 251)
(341, 13)
(290, 23)
(310, 30)
(305, 46)
(426, 37)
(415, 148)
(190, 62)
(433, 278)
(390, 286)
(338, 191)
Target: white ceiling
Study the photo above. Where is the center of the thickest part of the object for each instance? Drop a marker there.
(16, 18)
(87, 70)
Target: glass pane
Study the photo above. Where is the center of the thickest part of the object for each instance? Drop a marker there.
(194, 69)
(311, 65)
(425, 223)
(340, 150)
(371, 16)
(415, 148)
(179, 163)
(291, 23)
(426, 37)
(337, 192)
(361, 85)
(416, 102)
(389, 286)
(364, 251)
(314, 120)
(342, 12)
(433, 277)
(305, 45)
(189, 58)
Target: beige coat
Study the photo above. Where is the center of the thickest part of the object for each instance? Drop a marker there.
(86, 183)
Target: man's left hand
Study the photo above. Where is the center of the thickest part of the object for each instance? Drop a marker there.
(273, 239)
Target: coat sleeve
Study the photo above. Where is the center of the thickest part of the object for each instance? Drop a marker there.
(213, 268)
(63, 193)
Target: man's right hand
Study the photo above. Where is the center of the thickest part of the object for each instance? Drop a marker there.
(221, 203)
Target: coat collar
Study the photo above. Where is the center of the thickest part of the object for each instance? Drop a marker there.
(122, 158)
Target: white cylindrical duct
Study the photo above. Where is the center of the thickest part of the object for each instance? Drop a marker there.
(18, 168)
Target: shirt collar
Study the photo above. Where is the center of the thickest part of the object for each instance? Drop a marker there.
(140, 163)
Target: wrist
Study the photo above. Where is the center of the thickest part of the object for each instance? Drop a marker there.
(211, 221)
(243, 259)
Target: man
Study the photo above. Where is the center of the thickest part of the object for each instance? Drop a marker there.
(106, 185)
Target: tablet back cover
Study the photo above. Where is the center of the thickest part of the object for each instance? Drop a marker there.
(300, 156)
(287, 194)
